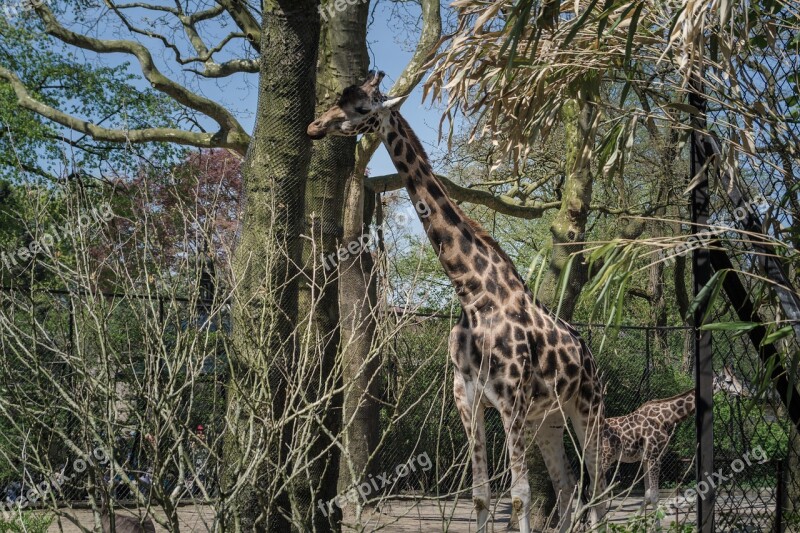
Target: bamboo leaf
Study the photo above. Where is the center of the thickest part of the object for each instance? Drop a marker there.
(683, 106)
(579, 23)
(729, 326)
(707, 295)
(778, 335)
(563, 281)
(632, 33)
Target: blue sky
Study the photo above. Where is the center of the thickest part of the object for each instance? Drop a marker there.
(390, 46)
(390, 51)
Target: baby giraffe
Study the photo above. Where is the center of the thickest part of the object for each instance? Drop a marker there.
(644, 434)
(509, 352)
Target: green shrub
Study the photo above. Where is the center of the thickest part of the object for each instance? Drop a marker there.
(29, 522)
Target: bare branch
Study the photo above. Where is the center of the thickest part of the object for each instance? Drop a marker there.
(227, 122)
(245, 20)
(204, 54)
(236, 141)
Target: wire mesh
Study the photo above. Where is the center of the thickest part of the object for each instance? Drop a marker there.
(756, 448)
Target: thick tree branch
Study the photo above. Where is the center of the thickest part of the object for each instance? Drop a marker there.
(501, 204)
(220, 70)
(228, 124)
(640, 293)
(245, 20)
(224, 139)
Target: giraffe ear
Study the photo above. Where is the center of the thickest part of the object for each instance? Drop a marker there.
(394, 103)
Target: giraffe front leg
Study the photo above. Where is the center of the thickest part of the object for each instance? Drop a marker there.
(472, 416)
(651, 484)
(643, 506)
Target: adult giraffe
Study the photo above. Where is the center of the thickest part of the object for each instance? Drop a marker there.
(509, 352)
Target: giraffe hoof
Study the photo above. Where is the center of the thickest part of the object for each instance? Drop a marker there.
(480, 505)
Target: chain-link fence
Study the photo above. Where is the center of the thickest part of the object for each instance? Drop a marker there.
(755, 448)
(757, 477)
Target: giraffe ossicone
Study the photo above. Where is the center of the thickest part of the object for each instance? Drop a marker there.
(509, 352)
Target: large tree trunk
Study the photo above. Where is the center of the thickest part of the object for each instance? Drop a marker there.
(567, 229)
(343, 61)
(265, 305)
(357, 293)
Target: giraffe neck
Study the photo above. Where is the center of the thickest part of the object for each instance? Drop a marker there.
(476, 265)
(678, 408)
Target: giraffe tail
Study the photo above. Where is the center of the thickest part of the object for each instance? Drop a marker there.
(586, 485)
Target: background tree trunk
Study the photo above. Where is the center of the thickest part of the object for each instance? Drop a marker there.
(343, 61)
(567, 229)
(265, 306)
(358, 302)
(579, 116)
(358, 287)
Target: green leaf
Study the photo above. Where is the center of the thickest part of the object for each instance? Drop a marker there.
(777, 335)
(759, 41)
(579, 23)
(707, 295)
(564, 281)
(632, 33)
(730, 326)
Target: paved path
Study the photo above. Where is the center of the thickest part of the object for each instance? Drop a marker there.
(191, 518)
(393, 516)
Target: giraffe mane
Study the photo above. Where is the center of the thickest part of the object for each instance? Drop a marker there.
(479, 231)
(351, 94)
(660, 400)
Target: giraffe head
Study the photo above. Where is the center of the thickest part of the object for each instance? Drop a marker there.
(728, 383)
(360, 109)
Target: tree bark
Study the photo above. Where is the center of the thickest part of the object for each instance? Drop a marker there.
(343, 61)
(357, 292)
(358, 303)
(567, 229)
(569, 226)
(265, 301)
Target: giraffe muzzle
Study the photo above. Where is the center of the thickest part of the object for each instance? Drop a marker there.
(315, 130)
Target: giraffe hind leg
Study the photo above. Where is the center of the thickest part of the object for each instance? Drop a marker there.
(514, 424)
(588, 423)
(651, 494)
(550, 440)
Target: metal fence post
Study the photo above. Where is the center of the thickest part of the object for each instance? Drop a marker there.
(779, 496)
(701, 270)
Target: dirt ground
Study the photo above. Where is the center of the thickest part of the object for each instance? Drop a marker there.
(393, 516)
